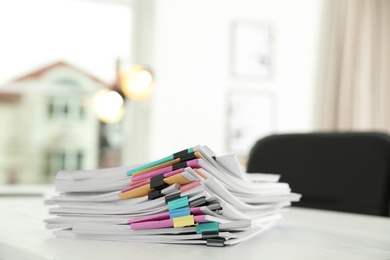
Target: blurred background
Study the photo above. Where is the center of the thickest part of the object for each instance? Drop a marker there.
(86, 84)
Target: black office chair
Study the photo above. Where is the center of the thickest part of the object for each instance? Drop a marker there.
(347, 172)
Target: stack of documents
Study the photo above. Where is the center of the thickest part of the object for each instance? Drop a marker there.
(190, 197)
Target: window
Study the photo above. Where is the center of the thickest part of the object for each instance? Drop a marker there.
(63, 160)
(92, 38)
(71, 108)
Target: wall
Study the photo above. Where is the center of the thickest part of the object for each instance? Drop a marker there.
(137, 123)
(191, 64)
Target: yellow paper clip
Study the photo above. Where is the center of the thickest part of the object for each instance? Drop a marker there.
(183, 221)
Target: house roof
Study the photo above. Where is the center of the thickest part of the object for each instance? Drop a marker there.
(41, 71)
(37, 73)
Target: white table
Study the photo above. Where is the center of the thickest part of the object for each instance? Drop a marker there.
(302, 234)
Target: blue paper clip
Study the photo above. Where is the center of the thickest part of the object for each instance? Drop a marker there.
(179, 212)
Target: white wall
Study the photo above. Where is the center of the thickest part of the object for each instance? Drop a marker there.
(191, 64)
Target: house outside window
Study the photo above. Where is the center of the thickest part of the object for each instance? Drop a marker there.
(71, 108)
(63, 160)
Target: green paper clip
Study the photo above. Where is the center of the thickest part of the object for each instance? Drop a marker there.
(160, 161)
(207, 227)
(149, 165)
(178, 203)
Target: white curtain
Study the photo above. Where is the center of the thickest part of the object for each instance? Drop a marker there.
(354, 79)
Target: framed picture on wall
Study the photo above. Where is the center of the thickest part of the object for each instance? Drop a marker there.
(251, 116)
(251, 50)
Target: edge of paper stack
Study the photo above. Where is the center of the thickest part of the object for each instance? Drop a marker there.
(190, 197)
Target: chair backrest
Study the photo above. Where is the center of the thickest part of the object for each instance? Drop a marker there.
(347, 172)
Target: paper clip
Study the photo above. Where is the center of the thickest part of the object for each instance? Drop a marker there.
(178, 203)
(180, 212)
(218, 242)
(183, 155)
(207, 227)
(183, 221)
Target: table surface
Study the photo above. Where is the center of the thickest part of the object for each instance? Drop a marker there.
(301, 234)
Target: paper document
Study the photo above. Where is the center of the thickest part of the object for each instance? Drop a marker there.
(190, 197)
